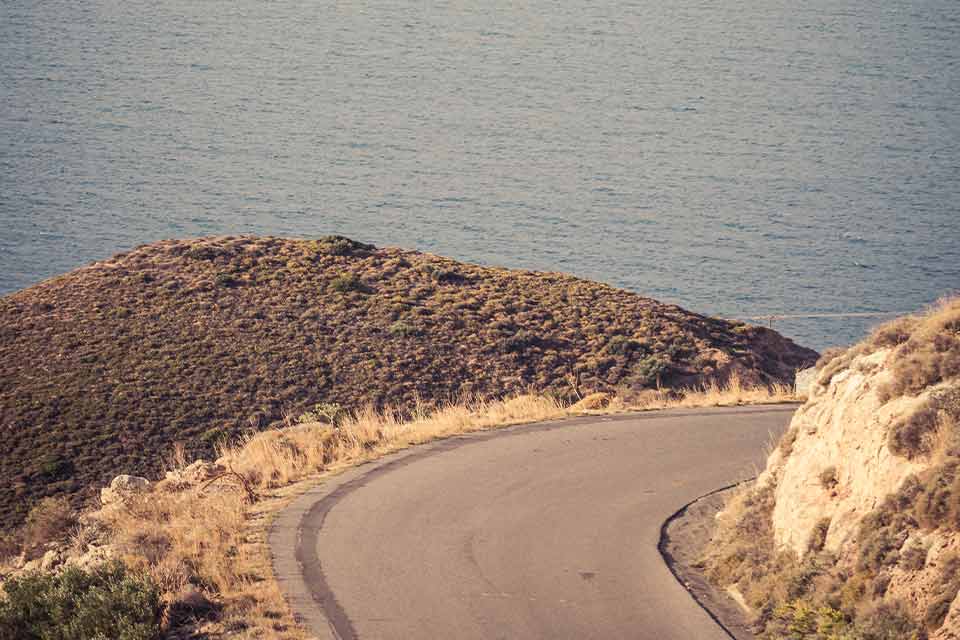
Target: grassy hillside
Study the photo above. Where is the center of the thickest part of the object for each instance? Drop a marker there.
(104, 368)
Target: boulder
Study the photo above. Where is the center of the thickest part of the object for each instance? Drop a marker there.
(122, 488)
(804, 381)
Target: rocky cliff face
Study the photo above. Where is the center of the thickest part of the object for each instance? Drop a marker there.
(839, 466)
(856, 515)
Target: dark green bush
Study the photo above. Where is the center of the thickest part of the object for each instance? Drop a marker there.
(106, 603)
(650, 370)
(621, 345)
(226, 280)
(341, 246)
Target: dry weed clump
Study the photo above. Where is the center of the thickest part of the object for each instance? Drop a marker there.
(932, 352)
(731, 393)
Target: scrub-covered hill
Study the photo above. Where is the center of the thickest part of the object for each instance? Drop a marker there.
(103, 369)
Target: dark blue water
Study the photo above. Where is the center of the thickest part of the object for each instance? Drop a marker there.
(737, 158)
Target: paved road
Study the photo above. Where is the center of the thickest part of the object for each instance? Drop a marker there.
(544, 531)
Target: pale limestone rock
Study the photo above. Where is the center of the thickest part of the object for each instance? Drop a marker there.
(804, 381)
(122, 488)
(95, 555)
(843, 425)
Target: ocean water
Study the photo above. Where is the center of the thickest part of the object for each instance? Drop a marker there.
(740, 159)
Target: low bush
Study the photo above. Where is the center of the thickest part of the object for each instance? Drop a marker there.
(106, 603)
(818, 536)
(787, 441)
(914, 556)
(913, 436)
(402, 329)
(349, 282)
(828, 478)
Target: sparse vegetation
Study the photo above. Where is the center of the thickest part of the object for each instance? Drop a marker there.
(930, 352)
(187, 341)
(818, 536)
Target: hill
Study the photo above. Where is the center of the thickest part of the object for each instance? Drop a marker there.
(853, 529)
(105, 368)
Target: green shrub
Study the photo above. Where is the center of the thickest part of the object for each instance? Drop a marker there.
(226, 280)
(106, 603)
(55, 467)
(215, 436)
(651, 369)
(341, 246)
(802, 619)
(621, 345)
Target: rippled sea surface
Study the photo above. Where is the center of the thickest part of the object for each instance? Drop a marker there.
(738, 158)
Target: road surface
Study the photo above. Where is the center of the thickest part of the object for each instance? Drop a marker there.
(537, 531)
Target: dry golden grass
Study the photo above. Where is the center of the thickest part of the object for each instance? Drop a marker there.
(208, 541)
(730, 394)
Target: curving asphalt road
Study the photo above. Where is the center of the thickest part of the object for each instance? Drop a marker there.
(537, 531)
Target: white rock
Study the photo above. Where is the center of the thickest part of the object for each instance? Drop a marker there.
(804, 381)
(122, 488)
(845, 428)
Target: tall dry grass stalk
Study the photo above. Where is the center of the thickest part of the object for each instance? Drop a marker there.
(207, 537)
